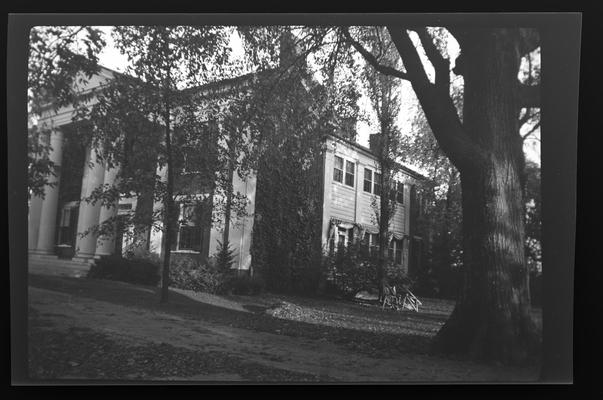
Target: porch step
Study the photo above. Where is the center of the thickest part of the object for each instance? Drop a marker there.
(52, 265)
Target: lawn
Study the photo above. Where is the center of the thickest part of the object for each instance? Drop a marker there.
(96, 329)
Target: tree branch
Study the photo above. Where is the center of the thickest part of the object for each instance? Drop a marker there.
(440, 64)
(438, 107)
(531, 131)
(368, 56)
(528, 116)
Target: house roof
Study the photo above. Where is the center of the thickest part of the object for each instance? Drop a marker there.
(369, 153)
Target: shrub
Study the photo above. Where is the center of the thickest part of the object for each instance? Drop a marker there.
(350, 270)
(243, 285)
(190, 274)
(131, 270)
(225, 256)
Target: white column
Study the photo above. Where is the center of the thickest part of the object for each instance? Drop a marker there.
(156, 245)
(85, 247)
(33, 222)
(106, 244)
(48, 213)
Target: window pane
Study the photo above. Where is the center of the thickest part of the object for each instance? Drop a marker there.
(190, 238)
(338, 170)
(368, 180)
(377, 186)
(399, 244)
(398, 256)
(400, 193)
(349, 179)
(349, 173)
(338, 175)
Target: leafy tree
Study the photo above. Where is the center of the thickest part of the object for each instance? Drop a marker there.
(287, 126)
(533, 200)
(153, 125)
(492, 318)
(384, 95)
(61, 59)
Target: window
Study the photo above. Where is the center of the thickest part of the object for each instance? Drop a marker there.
(396, 193)
(188, 235)
(188, 211)
(372, 241)
(396, 246)
(338, 170)
(342, 238)
(377, 184)
(125, 206)
(368, 180)
(400, 193)
(349, 173)
(189, 238)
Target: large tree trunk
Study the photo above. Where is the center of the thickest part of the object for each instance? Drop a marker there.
(492, 318)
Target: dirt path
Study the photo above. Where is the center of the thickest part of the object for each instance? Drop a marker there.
(131, 325)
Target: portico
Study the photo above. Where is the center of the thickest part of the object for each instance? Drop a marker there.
(57, 225)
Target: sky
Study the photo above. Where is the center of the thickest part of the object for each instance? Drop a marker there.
(111, 58)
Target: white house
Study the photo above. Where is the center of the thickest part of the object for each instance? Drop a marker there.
(350, 183)
(351, 201)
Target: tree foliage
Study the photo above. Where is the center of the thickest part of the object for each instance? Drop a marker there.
(162, 133)
(60, 60)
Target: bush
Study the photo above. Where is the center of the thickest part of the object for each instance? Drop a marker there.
(190, 274)
(225, 256)
(350, 270)
(243, 285)
(134, 270)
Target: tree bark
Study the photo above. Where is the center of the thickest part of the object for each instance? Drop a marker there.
(384, 217)
(168, 217)
(492, 318)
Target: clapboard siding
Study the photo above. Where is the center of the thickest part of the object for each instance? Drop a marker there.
(353, 203)
(342, 201)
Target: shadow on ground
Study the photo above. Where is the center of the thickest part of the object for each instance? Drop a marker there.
(254, 317)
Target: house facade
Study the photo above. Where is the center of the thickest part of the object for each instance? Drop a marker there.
(351, 202)
(350, 191)
(58, 221)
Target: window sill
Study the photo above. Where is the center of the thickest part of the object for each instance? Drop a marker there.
(344, 185)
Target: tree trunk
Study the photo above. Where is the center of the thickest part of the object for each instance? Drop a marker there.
(168, 216)
(492, 318)
(384, 217)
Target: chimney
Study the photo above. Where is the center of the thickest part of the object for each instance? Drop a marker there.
(375, 142)
(347, 128)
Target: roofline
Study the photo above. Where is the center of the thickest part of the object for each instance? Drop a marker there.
(368, 152)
